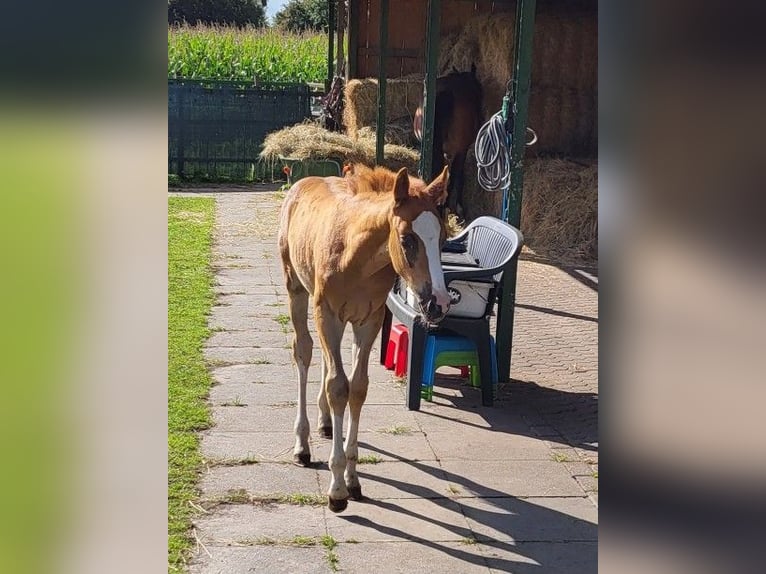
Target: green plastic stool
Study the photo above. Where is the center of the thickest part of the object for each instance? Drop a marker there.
(454, 359)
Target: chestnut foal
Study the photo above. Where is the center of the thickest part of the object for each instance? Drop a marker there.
(343, 241)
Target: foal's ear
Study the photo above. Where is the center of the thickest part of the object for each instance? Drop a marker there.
(402, 185)
(437, 189)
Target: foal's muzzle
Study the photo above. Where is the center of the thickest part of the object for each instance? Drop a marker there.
(432, 311)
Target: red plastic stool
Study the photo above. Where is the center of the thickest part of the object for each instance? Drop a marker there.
(396, 350)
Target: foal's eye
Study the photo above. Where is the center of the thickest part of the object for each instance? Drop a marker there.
(408, 242)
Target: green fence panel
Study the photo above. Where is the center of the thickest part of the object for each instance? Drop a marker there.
(216, 128)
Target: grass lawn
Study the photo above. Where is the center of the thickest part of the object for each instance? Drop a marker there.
(190, 296)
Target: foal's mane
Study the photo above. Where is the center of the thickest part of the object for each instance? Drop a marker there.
(378, 180)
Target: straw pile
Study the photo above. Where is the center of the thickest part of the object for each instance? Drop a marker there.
(403, 96)
(310, 141)
(559, 211)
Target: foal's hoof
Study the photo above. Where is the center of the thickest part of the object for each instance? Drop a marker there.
(355, 493)
(325, 432)
(303, 459)
(338, 505)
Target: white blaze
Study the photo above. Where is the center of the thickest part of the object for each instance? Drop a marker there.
(427, 227)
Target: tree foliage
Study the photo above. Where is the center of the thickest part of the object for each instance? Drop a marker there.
(303, 15)
(233, 12)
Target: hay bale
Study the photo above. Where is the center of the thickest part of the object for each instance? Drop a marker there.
(559, 211)
(311, 141)
(398, 132)
(361, 102)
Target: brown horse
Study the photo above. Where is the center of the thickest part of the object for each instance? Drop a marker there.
(457, 120)
(343, 241)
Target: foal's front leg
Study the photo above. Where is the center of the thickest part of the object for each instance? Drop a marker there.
(364, 337)
(330, 330)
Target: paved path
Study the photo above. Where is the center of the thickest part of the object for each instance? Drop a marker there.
(454, 488)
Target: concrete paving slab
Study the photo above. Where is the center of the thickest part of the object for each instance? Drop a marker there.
(539, 557)
(252, 373)
(248, 355)
(388, 419)
(281, 394)
(249, 338)
(390, 447)
(257, 418)
(253, 559)
(228, 524)
(411, 557)
(250, 300)
(242, 319)
(240, 276)
(233, 289)
(403, 519)
(481, 444)
(511, 478)
(390, 480)
(440, 418)
(264, 447)
(262, 479)
(531, 519)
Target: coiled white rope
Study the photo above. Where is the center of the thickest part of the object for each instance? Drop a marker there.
(493, 155)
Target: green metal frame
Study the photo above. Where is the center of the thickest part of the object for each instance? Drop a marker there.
(517, 125)
(330, 43)
(433, 31)
(380, 129)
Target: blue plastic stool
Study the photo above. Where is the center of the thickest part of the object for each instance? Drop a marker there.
(437, 344)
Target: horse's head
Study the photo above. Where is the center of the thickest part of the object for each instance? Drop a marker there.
(417, 235)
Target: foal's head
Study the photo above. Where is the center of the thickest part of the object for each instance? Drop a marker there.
(417, 235)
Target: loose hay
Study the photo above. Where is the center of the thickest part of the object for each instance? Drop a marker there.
(559, 211)
(311, 141)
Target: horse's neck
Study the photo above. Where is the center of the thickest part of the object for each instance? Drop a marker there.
(366, 245)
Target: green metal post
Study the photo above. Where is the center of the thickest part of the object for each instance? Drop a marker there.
(330, 42)
(383, 49)
(433, 31)
(353, 38)
(522, 68)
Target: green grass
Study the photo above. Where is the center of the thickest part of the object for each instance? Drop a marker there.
(369, 459)
(282, 319)
(235, 402)
(558, 457)
(332, 558)
(190, 296)
(397, 430)
(225, 53)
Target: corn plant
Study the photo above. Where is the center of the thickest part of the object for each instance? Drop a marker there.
(226, 53)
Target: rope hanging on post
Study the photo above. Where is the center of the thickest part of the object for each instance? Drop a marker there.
(493, 154)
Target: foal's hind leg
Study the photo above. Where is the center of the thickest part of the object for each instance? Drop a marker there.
(302, 347)
(364, 337)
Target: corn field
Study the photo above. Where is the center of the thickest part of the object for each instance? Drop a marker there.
(224, 53)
